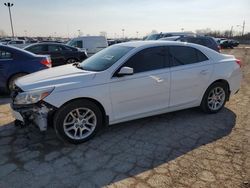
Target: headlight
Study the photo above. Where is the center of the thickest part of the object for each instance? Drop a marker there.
(31, 97)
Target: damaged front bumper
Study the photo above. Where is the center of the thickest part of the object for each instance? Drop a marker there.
(37, 113)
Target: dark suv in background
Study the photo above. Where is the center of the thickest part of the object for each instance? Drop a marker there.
(60, 53)
(207, 41)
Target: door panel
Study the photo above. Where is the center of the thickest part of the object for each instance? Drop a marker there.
(56, 55)
(147, 89)
(140, 93)
(188, 82)
(190, 74)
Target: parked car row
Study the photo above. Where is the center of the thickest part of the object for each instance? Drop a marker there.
(15, 63)
(60, 54)
(201, 40)
(92, 44)
(190, 37)
(158, 36)
(210, 42)
(227, 43)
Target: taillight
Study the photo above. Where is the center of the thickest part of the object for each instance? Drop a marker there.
(239, 62)
(46, 62)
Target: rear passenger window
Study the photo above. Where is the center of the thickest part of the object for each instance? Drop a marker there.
(147, 60)
(66, 48)
(182, 55)
(19, 42)
(54, 48)
(208, 42)
(201, 56)
(5, 55)
(37, 48)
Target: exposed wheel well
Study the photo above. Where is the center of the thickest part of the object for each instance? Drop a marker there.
(105, 116)
(11, 76)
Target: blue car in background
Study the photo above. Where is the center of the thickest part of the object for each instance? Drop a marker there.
(15, 63)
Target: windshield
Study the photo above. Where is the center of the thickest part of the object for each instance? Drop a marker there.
(105, 58)
(153, 37)
(70, 42)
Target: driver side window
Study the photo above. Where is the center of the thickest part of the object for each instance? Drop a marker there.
(147, 60)
(37, 48)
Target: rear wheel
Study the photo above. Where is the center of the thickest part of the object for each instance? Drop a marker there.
(78, 121)
(12, 80)
(71, 60)
(215, 98)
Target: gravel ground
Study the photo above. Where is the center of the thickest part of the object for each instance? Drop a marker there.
(181, 149)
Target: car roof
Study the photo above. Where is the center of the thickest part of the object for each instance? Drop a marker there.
(47, 43)
(137, 44)
(13, 49)
(170, 38)
(89, 37)
(55, 43)
(154, 43)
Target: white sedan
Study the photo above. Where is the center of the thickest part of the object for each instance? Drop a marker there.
(125, 82)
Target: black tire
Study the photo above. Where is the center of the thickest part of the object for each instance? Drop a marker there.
(13, 79)
(204, 103)
(71, 60)
(63, 112)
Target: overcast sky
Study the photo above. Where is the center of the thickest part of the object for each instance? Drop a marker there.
(65, 17)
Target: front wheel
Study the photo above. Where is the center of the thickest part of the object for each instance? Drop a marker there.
(214, 98)
(78, 121)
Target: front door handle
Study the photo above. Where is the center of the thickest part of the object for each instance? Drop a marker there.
(157, 79)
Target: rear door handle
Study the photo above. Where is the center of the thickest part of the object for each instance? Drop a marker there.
(204, 72)
(159, 80)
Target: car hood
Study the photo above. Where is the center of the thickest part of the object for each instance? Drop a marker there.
(62, 77)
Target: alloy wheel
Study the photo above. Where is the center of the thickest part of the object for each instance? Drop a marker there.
(79, 123)
(216, 98)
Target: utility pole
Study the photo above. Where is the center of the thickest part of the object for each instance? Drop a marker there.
(10, 5)
(231, 31)
(243, 27)
(137, 34)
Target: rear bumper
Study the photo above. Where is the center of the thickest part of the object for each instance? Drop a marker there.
(235, 82)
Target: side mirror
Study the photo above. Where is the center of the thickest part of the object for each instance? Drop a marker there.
(125, 71)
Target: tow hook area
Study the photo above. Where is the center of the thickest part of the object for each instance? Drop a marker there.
(37, 114)
(40, 117)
